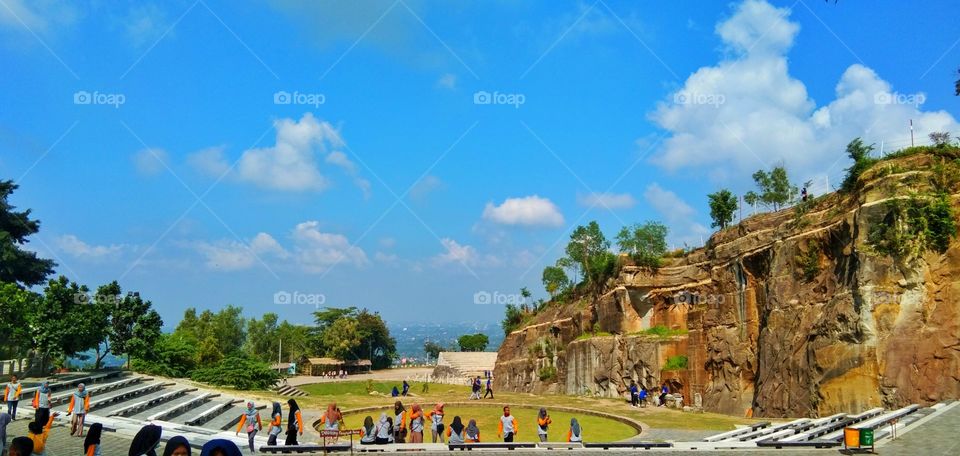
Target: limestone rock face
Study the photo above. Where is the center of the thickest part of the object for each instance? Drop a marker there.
(786, 314)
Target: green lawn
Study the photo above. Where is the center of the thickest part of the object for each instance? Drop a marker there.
(595, 428)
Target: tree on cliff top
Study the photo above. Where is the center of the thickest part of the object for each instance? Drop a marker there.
(16, 264)
(775, 188)
(860, 154)
(722, 207)
(587, 245)
(554, 280)
(646, 243)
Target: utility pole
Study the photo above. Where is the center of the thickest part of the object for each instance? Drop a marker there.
(911, 132)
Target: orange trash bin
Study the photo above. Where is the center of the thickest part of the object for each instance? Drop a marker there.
(851, 437)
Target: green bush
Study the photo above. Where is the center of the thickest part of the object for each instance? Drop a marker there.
(662, 331)
(240, 373)
(913, 226)
(808, 260)
(678, 362)
(547, 373)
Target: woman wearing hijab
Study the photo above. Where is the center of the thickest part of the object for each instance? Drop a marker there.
(5, 420)
(472, 432)
(146, 441)
(575, 432)
(416, 424)
(331, 419)
(294, 423)
(436, 422)
(368, 434)
(543, 422)
(455, 434)
(276, 416)
(250, 417)
(400, 420)
(79, 406)
(220, 447)
(91, 444)
(41, 402)
(384, 430)
(178, 446)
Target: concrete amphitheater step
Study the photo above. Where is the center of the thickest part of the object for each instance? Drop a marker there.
(210, 413)
(151, 402)
(287, 390)
(101, 404)
(229, 418)
(64, 397)
(191, 402)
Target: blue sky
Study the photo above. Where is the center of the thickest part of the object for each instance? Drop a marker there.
(405, 155)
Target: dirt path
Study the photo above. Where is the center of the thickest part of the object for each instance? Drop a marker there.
(386, 374)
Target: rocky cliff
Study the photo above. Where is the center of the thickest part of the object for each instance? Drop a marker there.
(800, 312)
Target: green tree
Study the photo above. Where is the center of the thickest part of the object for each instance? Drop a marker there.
(511, 319)
(432, 349)
(173, 356)
(342, 339)
(587, 244)
(18, 265)
(473, 342)
(134, 327)
(860, 154)
(295, 340)
(263, 338)
(775, 188)
(554, 280)
(216, 335)
(378, 345)
(722, 207)
(646, 243)
(15, 306)
(63, 324)
(238, 372)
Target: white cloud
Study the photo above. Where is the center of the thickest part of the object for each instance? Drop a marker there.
(291, 164)
(40, 17)
(526, 211)
(425, 186)
(607, 200)
(456, 253)
(209, 161)
(340, 159)
(150, 162)
(447, 81)
(74, 247)
(747, 112)
(317, 251)
(678, 215)
(145, 24)
(235, 255)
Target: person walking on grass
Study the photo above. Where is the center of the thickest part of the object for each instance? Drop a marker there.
(507, 428)
(294, 423)
(543, 422)
(250, 417)
(276, 417)
(416, 424)
(79, 406)
(436, 422)
(41, 402)
(575, 433)
(489, 391)
(11, 394)
(634, 393)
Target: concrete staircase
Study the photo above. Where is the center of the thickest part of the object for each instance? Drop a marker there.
(288, 390)
(464, 364)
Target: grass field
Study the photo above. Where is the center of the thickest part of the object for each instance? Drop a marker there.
(353, 394)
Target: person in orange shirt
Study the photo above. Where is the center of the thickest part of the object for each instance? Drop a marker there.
(79, 406)
(11, 394)
(294, 423)
(41, 402)
(91, 444)
(543, 423)
(416, 424)
(38, 433)
(400, 422)
(276, 416)
(252, 418)
(507, 428)
(332, 418)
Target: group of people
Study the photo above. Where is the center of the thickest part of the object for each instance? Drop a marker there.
(251, 423)
(476, 386)
(335, 374)
(639, 395)
(406, 390)
(403, 427)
